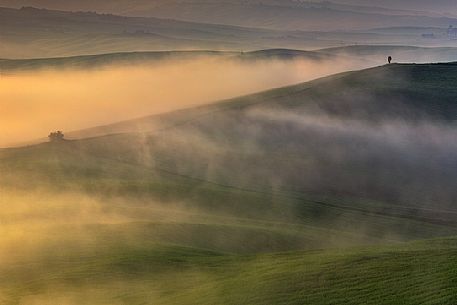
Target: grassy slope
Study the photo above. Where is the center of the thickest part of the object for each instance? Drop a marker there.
(421, 272)
(141, 168)
(218, 216)
(212, 253)
(429, 86)
(409, 94)
(130, 165)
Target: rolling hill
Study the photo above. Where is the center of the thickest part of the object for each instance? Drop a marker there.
(98, 61)
(274, 14)
(362, 54)
(443, 6)
(367, 138)
(298, 195)
(49, 33)
(35, 33)
(395, 120)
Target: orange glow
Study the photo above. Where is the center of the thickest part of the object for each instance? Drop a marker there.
(33, 104)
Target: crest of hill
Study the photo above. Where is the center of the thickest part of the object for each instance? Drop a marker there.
(426, 90)
(134, 58)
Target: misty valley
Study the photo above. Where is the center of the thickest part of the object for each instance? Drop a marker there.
(151, 155)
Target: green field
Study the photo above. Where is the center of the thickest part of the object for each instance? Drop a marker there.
(337, 191)
(416, 273)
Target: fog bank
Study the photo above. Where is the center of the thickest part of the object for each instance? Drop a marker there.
(34, 103)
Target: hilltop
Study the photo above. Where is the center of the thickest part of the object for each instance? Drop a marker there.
(361, 54)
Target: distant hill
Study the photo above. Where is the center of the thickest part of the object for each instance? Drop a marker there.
(285, 15)
(33, 33)
(357, 53)
(137, 58)
(53, 33)
(445, 7)
(401, 54)
(37, 33)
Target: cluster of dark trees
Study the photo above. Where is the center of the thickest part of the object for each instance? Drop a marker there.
(56, 136)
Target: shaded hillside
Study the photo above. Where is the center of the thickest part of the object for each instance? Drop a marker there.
(423, 91)
(384, 133)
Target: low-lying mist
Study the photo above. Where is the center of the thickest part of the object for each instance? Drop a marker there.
(32, 103)
(34, 222)
(396, 160)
